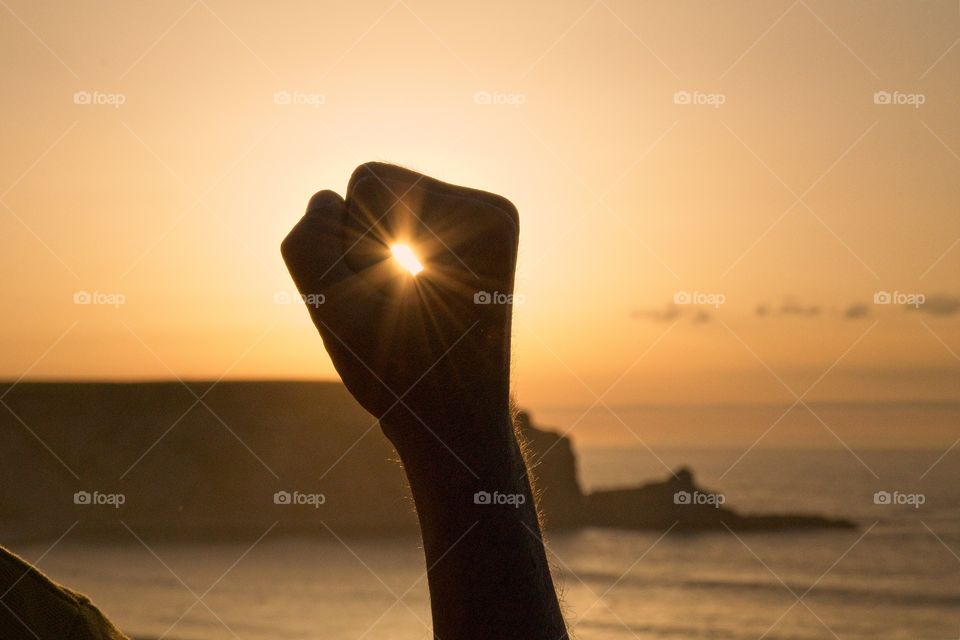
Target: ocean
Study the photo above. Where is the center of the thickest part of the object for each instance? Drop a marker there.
(896, 576)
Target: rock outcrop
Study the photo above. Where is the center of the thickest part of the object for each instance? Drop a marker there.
(680, 503)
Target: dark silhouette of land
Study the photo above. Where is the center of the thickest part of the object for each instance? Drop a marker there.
(657, 505)
(200, 481)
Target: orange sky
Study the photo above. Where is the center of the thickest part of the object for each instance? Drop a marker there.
(733, 149)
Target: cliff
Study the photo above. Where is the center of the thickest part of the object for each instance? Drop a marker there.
(248, 454)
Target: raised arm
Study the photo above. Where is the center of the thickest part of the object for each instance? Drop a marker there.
(429, 355)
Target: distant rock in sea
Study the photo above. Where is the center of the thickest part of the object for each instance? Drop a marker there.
(249, 454)
(680, 503)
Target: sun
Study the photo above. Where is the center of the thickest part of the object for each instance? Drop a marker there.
(406, 258)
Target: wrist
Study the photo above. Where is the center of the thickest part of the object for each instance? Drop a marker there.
(468, 421)
(464, 445)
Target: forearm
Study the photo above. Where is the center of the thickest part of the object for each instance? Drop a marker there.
(487, 567)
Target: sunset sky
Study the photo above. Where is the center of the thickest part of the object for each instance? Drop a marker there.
(156, 154)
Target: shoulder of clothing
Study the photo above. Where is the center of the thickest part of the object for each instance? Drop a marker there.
(34, 607)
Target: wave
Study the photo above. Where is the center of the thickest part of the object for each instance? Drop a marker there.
(851, 594)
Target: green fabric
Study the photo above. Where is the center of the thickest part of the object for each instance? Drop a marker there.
(33, 607)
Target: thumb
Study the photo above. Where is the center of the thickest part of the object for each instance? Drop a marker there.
(313, 250)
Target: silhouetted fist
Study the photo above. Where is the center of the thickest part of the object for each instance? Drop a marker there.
(422, 352)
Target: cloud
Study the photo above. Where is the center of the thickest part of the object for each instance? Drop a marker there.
(940, 305)
(789, 307)
(672, 313)
(795, 309)
(856, 310)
